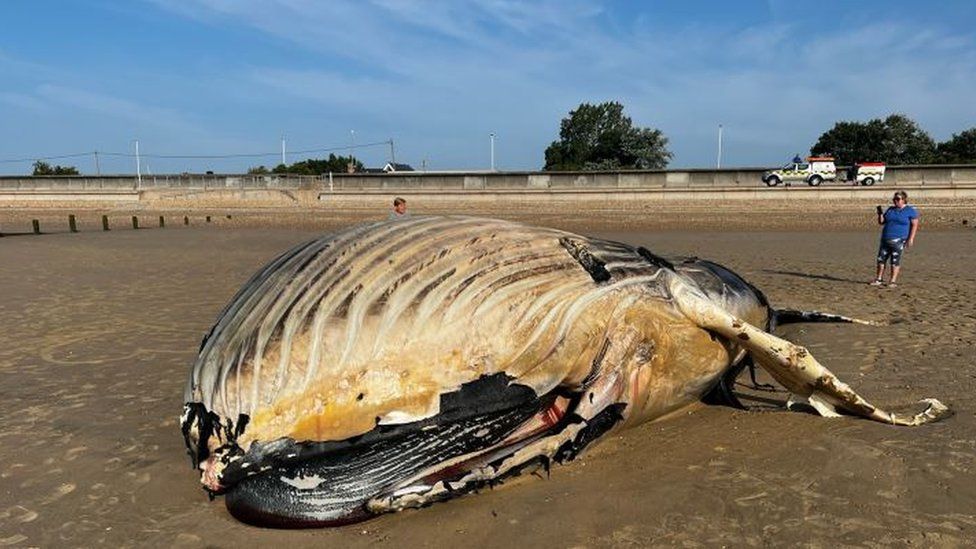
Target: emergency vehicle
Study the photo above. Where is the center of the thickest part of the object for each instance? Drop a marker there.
(868, 173)
(813, 172)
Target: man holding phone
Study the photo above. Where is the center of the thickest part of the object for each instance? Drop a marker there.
(899, 225)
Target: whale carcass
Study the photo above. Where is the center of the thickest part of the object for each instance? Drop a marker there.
(399, 363)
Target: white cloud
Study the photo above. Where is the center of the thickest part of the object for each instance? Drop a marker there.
(440, 75)
(496, 57)
(115, 107)
(23, 101)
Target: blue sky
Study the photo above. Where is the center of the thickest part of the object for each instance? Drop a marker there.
(224, 77)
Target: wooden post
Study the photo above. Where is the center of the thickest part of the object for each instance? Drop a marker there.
(104, 222)
(37, 226)
(135, 222)
(186, 220)
(228, 216)
(162, 222)
(208, 219)
(72, 226)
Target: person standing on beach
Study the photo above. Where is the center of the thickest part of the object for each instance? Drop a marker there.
(899, 225)
(399, 209)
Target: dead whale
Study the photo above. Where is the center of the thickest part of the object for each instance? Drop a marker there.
(400, 363)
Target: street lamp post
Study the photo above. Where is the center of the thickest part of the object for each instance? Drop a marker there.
(491, 139)
(352, 148)
(138, 167)
(718, 163)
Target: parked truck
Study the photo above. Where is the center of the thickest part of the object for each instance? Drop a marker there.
(814, 171)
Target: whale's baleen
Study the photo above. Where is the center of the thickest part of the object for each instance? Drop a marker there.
(404, 362)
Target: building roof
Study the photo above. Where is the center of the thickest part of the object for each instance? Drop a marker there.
(395, 167)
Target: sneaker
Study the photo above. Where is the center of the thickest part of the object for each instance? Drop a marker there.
(892, 284)
(877, 282)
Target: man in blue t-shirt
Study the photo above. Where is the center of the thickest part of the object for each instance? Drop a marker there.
(899, 225)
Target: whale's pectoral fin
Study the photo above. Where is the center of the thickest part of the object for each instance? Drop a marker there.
(796, 369)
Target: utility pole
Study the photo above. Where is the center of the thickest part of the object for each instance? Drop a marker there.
(138, 167)
(352, 148)
(98, 170)
(491, 139)
(392, 153)
(283, 149)
(718, 163)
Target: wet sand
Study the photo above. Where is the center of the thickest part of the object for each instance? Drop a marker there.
(567, 212)
(99, 330)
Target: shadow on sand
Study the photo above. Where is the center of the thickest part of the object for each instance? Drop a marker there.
(814, 276)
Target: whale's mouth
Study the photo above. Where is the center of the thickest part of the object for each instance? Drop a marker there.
(487, 430)
(411, 468)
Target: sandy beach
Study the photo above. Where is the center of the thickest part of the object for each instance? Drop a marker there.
(571, 212)
(100, 328)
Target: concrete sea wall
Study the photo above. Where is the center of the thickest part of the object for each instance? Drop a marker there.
(728, 184)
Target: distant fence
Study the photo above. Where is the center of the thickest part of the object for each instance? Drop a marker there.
(431, 181)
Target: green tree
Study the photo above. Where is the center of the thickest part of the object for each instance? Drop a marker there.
(896, 140)
(851, 142)
(258, 170)
(314, 166)
(960, 149)
(43, 168)
(600, 137)
(906, 143)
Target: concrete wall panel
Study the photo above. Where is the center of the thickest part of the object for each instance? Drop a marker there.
(737, 178)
